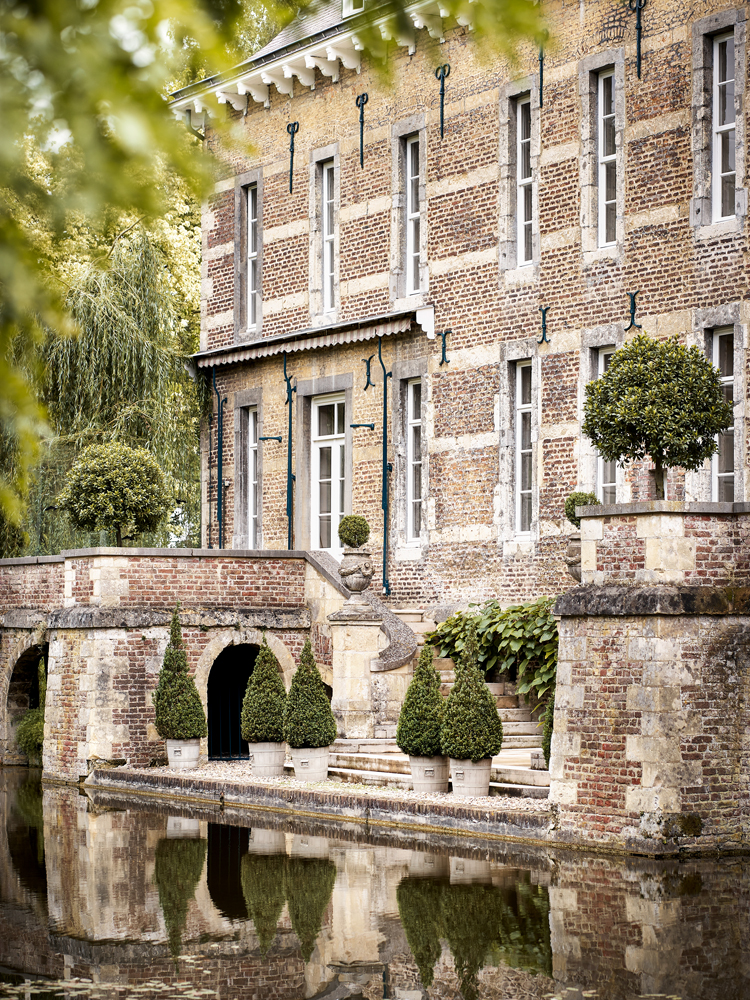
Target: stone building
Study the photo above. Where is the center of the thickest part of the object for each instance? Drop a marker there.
(484, 257)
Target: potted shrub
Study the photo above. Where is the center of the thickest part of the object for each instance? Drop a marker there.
(262, 877)
(180, 719)
(472, 732)
(309, 883)
(420, 908)
(309, 726)
(573, 552)
(177, 871)
(262, 720)
(419, 722)
(356, 567)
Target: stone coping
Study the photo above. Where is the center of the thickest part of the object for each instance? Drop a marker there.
(623, 600)
(661, 507)
(369, 808)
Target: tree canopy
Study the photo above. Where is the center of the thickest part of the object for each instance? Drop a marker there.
(657, 398)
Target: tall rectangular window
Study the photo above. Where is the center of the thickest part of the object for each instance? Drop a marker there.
(412, 216)
(722, 464)
(253, 500)
(606, 478)
(329, 235)
(328, 471)
(607, 157)
(524, 457)
(414, 460)
(724, 141)
(524, 188)
(252, 255)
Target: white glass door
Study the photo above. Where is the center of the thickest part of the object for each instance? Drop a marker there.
(328, 467)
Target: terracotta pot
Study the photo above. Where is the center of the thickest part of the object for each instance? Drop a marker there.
(471, 778)
(267, 759)
(429, 774)
(356, 570)
(573, 556)
(311, 764)
(183, 754)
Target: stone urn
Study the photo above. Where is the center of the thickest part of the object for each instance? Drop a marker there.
(573, 556)
(356, 572)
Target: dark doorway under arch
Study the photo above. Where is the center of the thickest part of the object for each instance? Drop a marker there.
(226, 689)
(24, 693)
(226, 847)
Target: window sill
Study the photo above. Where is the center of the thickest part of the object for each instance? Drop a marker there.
(410, 552)
(525, 274)
(724, 227)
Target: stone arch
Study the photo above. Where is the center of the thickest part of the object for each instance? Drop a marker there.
(241, 637)
(16, 688)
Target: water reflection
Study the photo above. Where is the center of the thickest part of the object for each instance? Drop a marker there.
(143, 903)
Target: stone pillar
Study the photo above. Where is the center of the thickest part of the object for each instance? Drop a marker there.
(356, 641)
(651, 749)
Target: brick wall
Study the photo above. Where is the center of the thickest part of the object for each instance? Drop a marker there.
(35, 582)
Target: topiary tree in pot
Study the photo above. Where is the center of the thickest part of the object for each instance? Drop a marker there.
(356, 567)
(657, 398)
(263, 883)
(262, 719)
(472, 732)
(309, 725)
(309, 884)
(180, 719)
(419, 724)
(420, 908)
(177, 871)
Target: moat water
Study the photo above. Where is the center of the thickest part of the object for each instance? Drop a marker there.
(102, 898)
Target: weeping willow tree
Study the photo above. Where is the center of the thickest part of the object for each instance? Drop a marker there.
(123, 378)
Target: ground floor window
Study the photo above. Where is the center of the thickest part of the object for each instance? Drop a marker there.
(328, 467)
(606, 472)
(722, 464)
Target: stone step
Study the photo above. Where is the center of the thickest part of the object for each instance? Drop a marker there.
(364, 746)
(394, 780)
(395, 764)
(523, 729)
(411, 616)
(516, 714)
(515, 742)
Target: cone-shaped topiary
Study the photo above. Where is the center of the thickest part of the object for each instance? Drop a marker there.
(179, 713)
(549, 726)
(309, 884)
(262, 719)
(420, 908)
(177, 871)
(262, 878)
(471, 728)
(421, 717)
(308, 719)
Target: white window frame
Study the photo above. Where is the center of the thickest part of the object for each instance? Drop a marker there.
(350, 7)
(523, 409)
(721, 130)
(524, 185)
(253, 258)
(414, 462)
(604, 159)
(253, 480)
(337, 443)
(412, 263)
(606, 472)
(328, 230)
(726, 380)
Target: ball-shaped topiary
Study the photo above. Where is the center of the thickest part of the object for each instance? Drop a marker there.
(579, 499)
(421, 716)
(114, 487)
(262, 719)
(353, 531)
(308, 719)
(179, 712)
(471, 728)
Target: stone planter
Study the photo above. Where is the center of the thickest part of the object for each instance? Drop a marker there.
(182, 828)
(471, 778)
(573, 556)
(311, 764)
(183, 754)
(262, 841)
(356, 571)
(267, 759)
(429, 774)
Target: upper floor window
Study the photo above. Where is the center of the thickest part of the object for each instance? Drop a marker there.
(352, 7)
(413, 232)
(328, 467)
(722, 464)
(606, 472)
(253, 261)
(607, 158)
(329, 234)
(414, 460)
(524, 187)
(524, 451)
(724, 139)
(253, 500)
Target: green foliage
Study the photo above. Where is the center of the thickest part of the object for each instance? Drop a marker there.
(421, 717)
(262, 719)
(549, 726)
(262, 878)
(309, 883)
(177, 871)
(353, 531)
(178, 708)
(30, 733)
(657, 398)
(112, 486)
(520, 641)
(471, 728)
(419, 906)
(579, 499)
(29, 804)
(308, 719)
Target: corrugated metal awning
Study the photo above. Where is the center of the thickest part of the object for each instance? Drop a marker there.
(308, 340)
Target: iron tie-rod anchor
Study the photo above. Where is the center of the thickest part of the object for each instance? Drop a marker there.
(637, 6)
(442, 73)
(292, 128)
(444, 360)
(544, 339)
(632, 324)
(360, 101)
